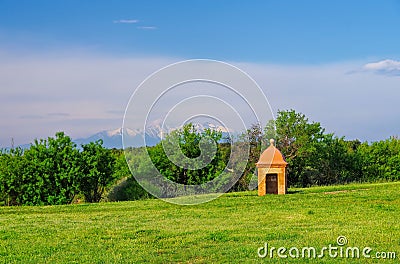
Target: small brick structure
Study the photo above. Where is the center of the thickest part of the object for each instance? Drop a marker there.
(271, 170)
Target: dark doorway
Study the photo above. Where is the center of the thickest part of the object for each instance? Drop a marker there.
(271, 180)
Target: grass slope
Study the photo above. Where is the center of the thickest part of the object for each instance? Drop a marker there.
(229, 229)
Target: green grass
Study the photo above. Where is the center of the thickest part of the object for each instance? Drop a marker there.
(229, 229)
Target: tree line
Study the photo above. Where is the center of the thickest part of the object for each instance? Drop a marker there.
(314, 156)
(56, 171)
(318, 158)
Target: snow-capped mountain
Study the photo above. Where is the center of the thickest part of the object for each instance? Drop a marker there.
(134, 137)
(208, 125)
(113, 138)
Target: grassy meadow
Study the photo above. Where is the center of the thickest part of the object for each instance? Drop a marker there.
(229, 229)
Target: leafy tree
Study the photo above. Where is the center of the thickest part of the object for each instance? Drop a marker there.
(334, 162)
(97, 167)
(50, 176)
(12, 164)
(188, 156)
(297, 138)
(254, 138)
(380, 160)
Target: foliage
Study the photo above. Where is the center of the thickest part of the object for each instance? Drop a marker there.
(253, 137)
(97, 167)
(381, 160)
(46, 173)
(317, 158)
(127, 188)
(53, 171)
(188, 156)
(299, 141)
(12, 167)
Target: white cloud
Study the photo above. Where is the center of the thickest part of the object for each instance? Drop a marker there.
(126, 21)
(385, 67)
(147, 27)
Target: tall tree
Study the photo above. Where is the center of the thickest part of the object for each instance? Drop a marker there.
(97, 166)
(12, 166)
(297, 138)
(189, 156)
(253, 138)
(51, 172)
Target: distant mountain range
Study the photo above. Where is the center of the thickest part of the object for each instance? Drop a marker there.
(113, 138)
(134, 137)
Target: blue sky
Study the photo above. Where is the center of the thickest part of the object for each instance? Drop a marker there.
(260, 31)
(57, 56)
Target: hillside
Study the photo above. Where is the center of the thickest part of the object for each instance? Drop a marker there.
(230, 229)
